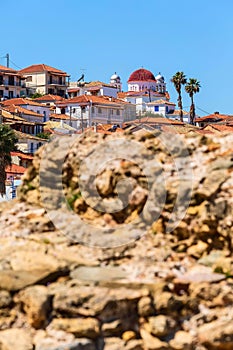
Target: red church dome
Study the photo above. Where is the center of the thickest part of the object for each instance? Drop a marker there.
(141, 75)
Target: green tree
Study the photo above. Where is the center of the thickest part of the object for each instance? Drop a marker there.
(178, 80)
(7, 145)
(43, 135)
(36, 95)
(192, 87)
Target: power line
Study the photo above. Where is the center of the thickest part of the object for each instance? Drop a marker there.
(15, 64)
(202, 110)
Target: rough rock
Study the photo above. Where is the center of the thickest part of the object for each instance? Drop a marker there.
(36, 303)
(80, 327)
(15, 339)
(182, 341)
(120, 237)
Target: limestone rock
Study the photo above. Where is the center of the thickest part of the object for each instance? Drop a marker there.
(5, 299)
(36, 303)
(152, 343)
(15, 339)
(182, 341)
(80, 327)
(217, 334)
(161, 325)
(145, 307)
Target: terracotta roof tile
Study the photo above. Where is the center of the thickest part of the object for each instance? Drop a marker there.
(15, 169)
(161, 101)
(37, 68)
(22, 155)
(61, 117)
(49, 97)
(20, 101)
(86, 99)
(19, 109)
(7, 69)
(219, 128)
(151, 120)
(213, 117)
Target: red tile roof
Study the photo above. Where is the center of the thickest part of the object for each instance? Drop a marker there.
(161, 102)
(61, 117)
(49, 98)
(219, 128)
(87, 99)
(73, 89)
(151, 120)
(37, 68)
(20, 101)
(18, 109)
(7, 69)
(15, 169)
(213, 117)
(104, 129)
(22, 155)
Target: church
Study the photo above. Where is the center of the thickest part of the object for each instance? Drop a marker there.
(149, 94)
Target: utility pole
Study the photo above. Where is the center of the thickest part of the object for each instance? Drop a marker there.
(82, 119)
(70, 114)
(7, 60)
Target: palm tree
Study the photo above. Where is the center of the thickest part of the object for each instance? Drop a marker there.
(7, 144)
(192, 87)
(178, 80)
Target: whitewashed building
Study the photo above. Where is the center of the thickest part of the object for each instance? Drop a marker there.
(12, 83)
(44, 79)
(89, 109)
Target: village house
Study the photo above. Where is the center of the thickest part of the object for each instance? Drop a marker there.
(21, 159)
(49, 100)
(28, 143)
(161, 106)
(12, 83)
(96, 88)
(65, 119)
(214, 118)
(19, 123)
(90, 109)
(22, 107)
(43, 79)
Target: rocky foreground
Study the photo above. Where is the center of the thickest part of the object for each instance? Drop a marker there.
(138, 276)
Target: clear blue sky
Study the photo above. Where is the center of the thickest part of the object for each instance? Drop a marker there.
(123, 35)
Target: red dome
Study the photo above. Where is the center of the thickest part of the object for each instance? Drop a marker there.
(141, 75)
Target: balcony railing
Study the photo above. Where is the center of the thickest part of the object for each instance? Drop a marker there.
(11, 83)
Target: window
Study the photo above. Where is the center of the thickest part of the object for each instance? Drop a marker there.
(29, 78)
(1, 80)
(99, 110)
(156, 108)
(11, 80)
(60, 81)
(92, 109)
(118, 112)
(31, 147)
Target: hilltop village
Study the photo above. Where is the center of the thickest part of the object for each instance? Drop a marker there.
(40, 102)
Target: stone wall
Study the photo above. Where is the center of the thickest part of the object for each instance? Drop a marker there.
(154, 272)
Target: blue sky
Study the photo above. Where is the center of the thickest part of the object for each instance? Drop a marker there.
(123, 35)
